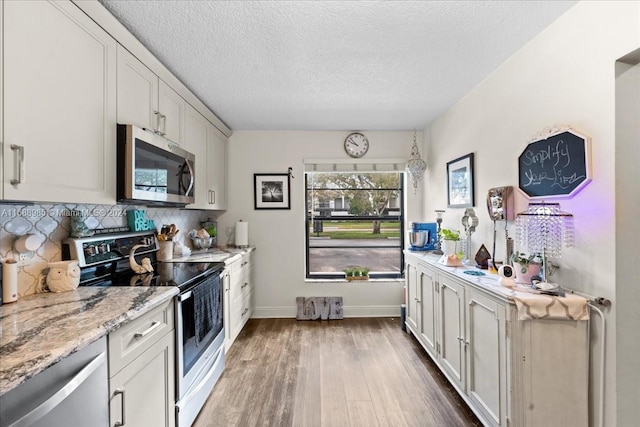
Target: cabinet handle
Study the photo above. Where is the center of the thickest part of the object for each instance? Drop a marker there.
(122, 422)
(416, 299)
(156, 128)
(164, 124)
(154, 325)
(20, 153)
(245, 284)
(460, 339)
(245, 311)
(212, 197)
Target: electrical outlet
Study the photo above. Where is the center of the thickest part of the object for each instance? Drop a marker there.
(24, 259)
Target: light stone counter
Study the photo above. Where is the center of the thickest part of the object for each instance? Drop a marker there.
(40, 330)
(226, 255)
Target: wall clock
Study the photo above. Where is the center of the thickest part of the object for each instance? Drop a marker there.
(356, 144)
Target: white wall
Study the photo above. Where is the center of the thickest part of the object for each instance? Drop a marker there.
(279, 235)
(566, 75)
(627, 233)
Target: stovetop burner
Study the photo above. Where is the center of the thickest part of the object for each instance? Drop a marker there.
(180, 274)
(113, 269)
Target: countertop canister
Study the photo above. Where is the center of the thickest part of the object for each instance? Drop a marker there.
(9, 281)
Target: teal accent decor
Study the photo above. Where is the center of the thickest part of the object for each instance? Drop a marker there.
(137, 220)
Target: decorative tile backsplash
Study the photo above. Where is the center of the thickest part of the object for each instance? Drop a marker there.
(52, 224)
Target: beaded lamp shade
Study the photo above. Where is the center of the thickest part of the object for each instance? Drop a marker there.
(415, 166)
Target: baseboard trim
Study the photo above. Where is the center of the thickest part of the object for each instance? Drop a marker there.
(349, 311)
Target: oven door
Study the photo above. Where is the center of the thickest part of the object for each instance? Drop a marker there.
(199, 322)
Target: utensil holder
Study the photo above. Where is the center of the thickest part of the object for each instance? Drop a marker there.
(165, 252)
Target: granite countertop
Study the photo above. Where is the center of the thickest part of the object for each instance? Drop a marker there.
(227, 255)
(39, 330)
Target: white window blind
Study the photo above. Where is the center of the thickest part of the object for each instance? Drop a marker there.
(357, 165)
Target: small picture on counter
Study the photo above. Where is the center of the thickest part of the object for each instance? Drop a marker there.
(271, 191)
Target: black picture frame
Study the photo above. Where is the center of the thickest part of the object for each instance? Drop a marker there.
(460, 182)
(271, 191)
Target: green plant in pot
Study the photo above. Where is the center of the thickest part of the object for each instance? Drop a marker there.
(526, 266)
(356, 273)
(450, 239)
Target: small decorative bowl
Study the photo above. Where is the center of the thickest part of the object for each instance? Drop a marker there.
(200, 243)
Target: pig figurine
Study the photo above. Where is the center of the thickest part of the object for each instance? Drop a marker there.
(63, 276)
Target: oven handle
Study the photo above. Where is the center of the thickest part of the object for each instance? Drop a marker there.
(189, 294)
(185, 296)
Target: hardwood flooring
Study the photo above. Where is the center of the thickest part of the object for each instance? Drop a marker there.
(338, 373)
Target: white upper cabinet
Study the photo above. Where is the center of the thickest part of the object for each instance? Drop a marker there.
(209, 146)
(172, 110)
(217, 169)
(137, 92)
(146, 101)
(59, 118)
(196, 143)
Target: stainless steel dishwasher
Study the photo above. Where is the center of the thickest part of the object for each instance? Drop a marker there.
(73, 392)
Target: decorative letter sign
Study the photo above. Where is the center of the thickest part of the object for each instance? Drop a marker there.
(556, 163)
(314, 308)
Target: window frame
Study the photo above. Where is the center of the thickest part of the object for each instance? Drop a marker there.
(400, 218)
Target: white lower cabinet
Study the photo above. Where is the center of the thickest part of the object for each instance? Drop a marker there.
(451, 306)
(142, 371)
(238, 306)
(485, 343)
(510, 372)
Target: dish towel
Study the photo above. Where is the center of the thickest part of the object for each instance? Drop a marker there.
(538, 306)
(207, 308)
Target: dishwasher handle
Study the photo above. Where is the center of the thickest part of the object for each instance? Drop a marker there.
(51, 403)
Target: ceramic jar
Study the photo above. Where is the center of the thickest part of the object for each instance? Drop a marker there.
(63, 276)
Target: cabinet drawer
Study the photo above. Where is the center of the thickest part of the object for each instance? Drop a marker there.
(240, 313)
(131, 340)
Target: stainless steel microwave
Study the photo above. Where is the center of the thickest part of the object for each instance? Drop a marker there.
(153, 170)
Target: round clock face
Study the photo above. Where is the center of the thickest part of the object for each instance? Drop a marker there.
(356, 144)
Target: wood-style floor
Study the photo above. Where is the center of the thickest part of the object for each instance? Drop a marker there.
(338, 373)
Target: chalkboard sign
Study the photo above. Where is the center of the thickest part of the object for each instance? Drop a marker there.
(556, 164)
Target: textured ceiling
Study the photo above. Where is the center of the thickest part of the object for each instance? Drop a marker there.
(333, 65)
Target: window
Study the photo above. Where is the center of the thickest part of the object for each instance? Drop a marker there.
(354, 219)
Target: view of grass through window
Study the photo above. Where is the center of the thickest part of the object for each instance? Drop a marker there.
(354, 220)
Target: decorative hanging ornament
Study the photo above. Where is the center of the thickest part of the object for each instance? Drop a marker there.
(415, 166)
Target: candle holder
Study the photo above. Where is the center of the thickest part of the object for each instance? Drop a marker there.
(438, 250)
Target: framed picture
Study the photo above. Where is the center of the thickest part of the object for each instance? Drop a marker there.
(460, 182)
(271, 191)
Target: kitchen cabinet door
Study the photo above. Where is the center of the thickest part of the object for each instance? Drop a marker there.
(142, 393)
(137, 92)
(413, 298)
(485, 339)
(217, 169)
(59, 102)
(429, 311)
(173, 110)
(240, 297)
(452, 351)
(196, 142)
